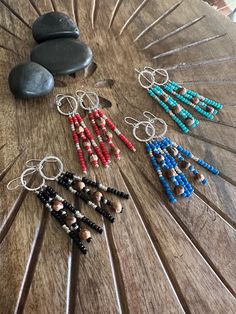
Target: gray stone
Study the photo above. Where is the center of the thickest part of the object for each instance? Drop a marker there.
(54, 25)
(62, 55)
(29, 80)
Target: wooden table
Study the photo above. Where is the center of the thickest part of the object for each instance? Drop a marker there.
(156, 258)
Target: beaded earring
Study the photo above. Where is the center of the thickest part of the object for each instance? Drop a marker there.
(77, 185)
(69, 217)
(99, 122)
(168, 159)
(95, 199)
(168, 93)
(80, 132)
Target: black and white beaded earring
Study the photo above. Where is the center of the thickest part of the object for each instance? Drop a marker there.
(170, 94)
(70, 218)
(168, 159)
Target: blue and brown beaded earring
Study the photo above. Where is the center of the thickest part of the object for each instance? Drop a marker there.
(168, 93)
(169, 159)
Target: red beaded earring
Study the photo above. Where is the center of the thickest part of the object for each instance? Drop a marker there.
(100, 122)
(81, 135)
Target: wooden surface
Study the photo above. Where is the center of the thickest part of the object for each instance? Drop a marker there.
(156, 258)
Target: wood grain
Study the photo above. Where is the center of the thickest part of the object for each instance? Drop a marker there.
(156, 258)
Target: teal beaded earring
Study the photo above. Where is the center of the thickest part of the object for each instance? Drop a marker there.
(169, 93)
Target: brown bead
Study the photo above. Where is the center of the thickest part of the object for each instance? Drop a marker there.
(209, 109)
(101, 121)
(189, 121)
(195, 100)
(165, 97)
(85, 234)
(79, 129)
(117, 207)
(173, 151)
(199, 177)
(159, 157)
(70, 220)
(182, 91)
(97, 196)
(57, 205)
(78, 185)
(184, 164)
(179, 189)
(176, 109)
(170, 173)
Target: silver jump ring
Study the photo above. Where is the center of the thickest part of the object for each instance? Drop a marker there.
(152, 121)
(162, 72)
(151, 71)
(151, 81)
(145, 124)
(94, 105)
(50, 159)
(74, 107)
(27, 172)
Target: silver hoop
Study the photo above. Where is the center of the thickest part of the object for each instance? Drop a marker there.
(74, 107)
(151, 82)
(94, 105)
(27, 172)
(152, 121)
(162, 72)
(50, 159)
(144, 123)
(151, 71)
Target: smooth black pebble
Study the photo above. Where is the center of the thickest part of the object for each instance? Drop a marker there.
(62, 55)
(54, 25)
(29, 80)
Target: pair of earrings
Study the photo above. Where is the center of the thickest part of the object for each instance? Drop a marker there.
(169, 160)
(70, 218)
(169, 94)
(83, 137)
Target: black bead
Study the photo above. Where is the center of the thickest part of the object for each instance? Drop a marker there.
(105, 214)
(91, 224)
(77, 241)
(69, 175)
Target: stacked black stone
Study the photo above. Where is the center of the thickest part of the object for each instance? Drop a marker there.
(59, 52)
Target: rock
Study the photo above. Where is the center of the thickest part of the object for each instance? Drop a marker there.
(29, 80)
(54, 25)
(62, 55)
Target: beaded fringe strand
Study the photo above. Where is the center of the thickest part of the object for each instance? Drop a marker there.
(167, 160)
